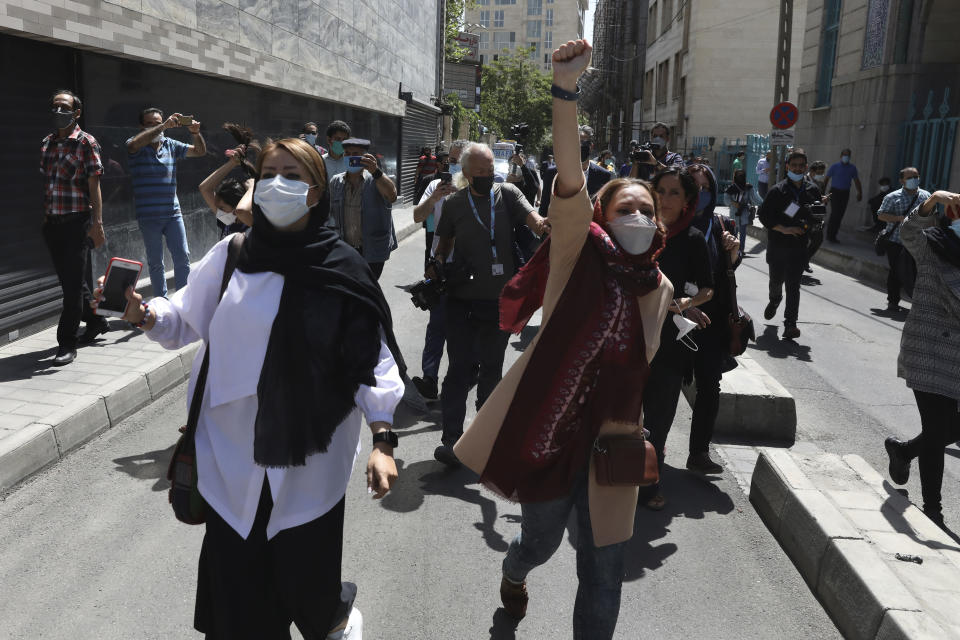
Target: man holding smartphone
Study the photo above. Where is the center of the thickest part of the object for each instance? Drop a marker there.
(73, 219)
(152, 162)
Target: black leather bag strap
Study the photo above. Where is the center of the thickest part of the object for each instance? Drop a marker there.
(233, 253)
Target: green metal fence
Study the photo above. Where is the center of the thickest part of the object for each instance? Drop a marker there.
(928, 143)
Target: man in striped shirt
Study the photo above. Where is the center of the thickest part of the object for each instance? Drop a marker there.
(152, 163)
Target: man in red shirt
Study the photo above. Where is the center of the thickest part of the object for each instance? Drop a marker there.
(73, 219)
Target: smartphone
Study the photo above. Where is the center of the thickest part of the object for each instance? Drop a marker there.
(355, 161)
(446, 177)
(121, 274)
(185, 121)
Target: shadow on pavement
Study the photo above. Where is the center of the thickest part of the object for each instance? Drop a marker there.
(25, 366)
(770, 342)
(148, 466)
(504, 627)
(688, 495)
(525, 338)
(430, 476)
(899, 316)
(893, 509)
(809, 281)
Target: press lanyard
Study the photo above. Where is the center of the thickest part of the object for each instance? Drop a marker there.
(493, 218)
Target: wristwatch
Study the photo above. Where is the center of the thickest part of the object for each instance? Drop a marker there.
(387, 436)
(377, 174)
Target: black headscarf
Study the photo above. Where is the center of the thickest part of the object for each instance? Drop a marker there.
(325, 340)
(944, 243)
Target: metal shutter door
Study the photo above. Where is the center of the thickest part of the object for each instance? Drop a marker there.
(418, 129)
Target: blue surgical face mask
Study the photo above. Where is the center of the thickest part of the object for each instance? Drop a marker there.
(703, 200)
(311, 138)
(336, 147)
(796, 177)
(912, 183)
(845, 159)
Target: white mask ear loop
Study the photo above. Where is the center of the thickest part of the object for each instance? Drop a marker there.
(685, 339)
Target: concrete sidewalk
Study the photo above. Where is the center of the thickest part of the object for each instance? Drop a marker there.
(47, 411)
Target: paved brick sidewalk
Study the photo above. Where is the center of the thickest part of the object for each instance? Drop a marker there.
(46, 411)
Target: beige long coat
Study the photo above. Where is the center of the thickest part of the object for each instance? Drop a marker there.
(611, 508)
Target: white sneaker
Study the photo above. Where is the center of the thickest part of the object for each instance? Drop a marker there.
(353, 630)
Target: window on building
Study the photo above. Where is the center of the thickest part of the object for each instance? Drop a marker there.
(828, 51)
(666, 15)
(548, 18)
(504, 39)
(534, 7)
(546, 59)
(901, 50)
(548, 41)
(485, 19)
(549, 1)
(682, 107)
(677, 68)
(652, 23)
(534, 28)
(534, 50)
(875, 34)
(505, 2)
(484, 39)
(663, 77)
(498, 19)
(483, 3)
(648, 88)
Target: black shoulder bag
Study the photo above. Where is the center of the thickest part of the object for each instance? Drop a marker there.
(882, 241)
(188, 505)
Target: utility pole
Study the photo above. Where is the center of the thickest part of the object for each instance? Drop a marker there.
(782, 79)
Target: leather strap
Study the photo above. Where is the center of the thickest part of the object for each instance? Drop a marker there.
(233, 254)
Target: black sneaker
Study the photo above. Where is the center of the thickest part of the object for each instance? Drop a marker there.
(64, 356)
(701, 463)
(426, 386)
(93, 330)
(771, 309)
(791, 332)
(894, 308)
(444, 453)
(899, 461)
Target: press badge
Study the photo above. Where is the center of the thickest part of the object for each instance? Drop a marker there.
(497, 269)
(792, 209)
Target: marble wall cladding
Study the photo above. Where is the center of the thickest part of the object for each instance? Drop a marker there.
(178, 11)
(354, 51)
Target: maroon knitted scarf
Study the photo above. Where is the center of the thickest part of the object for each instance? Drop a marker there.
(589, 366)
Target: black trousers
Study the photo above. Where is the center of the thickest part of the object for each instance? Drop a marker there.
(474, 339)
(893, 275)
(814, 240)
(70, 251)
(254, 589)
(838, 206)
(940, 425)
(786, 268)
(377, 268)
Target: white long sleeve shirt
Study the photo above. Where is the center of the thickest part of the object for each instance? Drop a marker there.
(229, 479)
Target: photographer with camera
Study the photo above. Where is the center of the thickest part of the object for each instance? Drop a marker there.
(479, 222)
(790, 210)
(659, 139)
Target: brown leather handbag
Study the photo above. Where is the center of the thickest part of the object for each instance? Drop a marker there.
(625, 460)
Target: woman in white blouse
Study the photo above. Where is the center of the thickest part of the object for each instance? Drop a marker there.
(300, 344)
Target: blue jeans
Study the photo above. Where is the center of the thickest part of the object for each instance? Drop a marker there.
(154, 230)
(599, 569)
(434, 340)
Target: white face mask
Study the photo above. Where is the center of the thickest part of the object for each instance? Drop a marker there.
(685, 326)
(634, 232)
(157, 138)
(282, 201)
(454, 168)
(226, 217)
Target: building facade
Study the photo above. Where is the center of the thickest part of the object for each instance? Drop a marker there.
(710, 67)
(882, 77)
(269, 64)
(612, 90)
(506, 25)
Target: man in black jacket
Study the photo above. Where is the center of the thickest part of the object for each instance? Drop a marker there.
(785, 213)
(596, 175)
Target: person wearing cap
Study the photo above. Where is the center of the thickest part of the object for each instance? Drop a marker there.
(361, 201)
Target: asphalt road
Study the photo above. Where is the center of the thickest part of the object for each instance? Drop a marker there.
(91, 549)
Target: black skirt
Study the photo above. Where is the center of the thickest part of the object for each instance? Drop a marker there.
(256, 588)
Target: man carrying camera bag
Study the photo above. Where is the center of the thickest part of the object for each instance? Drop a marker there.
(786, 213)
(478, 222)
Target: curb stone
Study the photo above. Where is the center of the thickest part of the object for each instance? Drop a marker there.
(842, 526)
(48, 440)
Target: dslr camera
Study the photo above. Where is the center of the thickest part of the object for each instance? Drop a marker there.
(519, 132)
(427, 293)
(817, 215)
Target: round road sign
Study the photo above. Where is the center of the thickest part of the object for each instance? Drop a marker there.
(784, 115)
